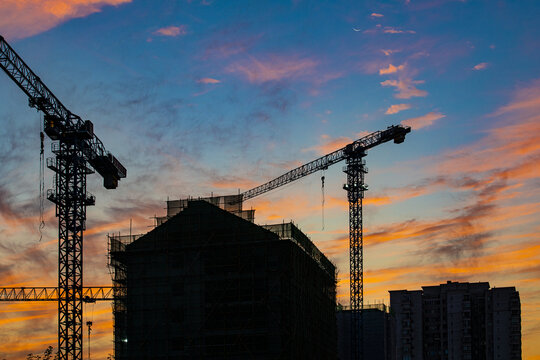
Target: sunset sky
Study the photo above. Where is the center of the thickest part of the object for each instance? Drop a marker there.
(197, 97)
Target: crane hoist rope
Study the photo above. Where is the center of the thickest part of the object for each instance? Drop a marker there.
(41, 178)
(322, 199)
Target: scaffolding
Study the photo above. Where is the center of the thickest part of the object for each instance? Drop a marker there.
(289, 231)
(206, 284)
(118, 271)
(230, 203)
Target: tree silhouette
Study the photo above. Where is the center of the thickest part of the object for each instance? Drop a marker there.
(47, 355)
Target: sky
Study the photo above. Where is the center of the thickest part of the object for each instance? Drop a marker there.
(201, 97)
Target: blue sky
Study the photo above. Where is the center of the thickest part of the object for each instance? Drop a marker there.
(201, 97)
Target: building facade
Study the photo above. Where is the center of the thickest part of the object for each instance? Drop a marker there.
(456, 321)
(375, 337)
(208, 284)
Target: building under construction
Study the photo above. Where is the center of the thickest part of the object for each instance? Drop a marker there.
(209, 283)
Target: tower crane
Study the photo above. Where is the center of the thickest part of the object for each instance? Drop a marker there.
(78, 152)
(355, 169)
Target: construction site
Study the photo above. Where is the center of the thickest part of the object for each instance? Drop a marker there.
(206, 282)
(289, 179)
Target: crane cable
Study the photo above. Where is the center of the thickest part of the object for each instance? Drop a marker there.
(322, 191)
(89, 321)
(41, 180)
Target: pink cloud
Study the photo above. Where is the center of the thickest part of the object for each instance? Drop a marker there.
(423, 121)
(376, 15)
(329, 144)
(20, 19)
(389, 52)
(208, 81)
(394, 109)
(387, 30)
(273, 68)
(391, 69)
(172, 31)
(406, 88)
(391, 30)
(481, 66)
(526, 100)
(510, 149)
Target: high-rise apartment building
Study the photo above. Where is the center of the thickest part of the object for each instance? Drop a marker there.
(455, 320)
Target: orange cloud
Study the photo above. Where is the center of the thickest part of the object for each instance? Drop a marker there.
(511, 149)
(405, 88)
(423, 121)
(233, 183)
(376, 15)
(389, 52)
(273, 68)
(394, 109)
(172, 31)
(24, 18)
(481, 66)
(526, 99)
(3, 322)
(330, 145)
(391, 69)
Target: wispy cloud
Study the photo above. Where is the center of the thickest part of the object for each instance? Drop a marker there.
(387, 30)
(330, 144)
(273, 68)
(172, 31)
(391, 69)
(233, 183)
(391, 30)
(405, 88)
(389, 52)
(423, 121)
(496, 175)
(394, 109)
(481, 66)
(208, 81)
(376, 15)
(526, 101)
(229, 41)
(20, 19)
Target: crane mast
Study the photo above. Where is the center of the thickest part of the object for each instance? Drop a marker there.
(355, 169)
(77, 152)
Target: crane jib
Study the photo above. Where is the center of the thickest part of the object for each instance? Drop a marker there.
(357, 148)
(59, 122)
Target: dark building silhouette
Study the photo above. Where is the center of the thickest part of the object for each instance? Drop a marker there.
(376, 334)
(208, 284)
(456, 321)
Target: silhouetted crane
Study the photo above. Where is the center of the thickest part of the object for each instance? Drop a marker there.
(77, 151)
(353, 155)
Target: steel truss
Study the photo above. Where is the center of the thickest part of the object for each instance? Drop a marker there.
(355, 187)
(89, 294)
(76, 148)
